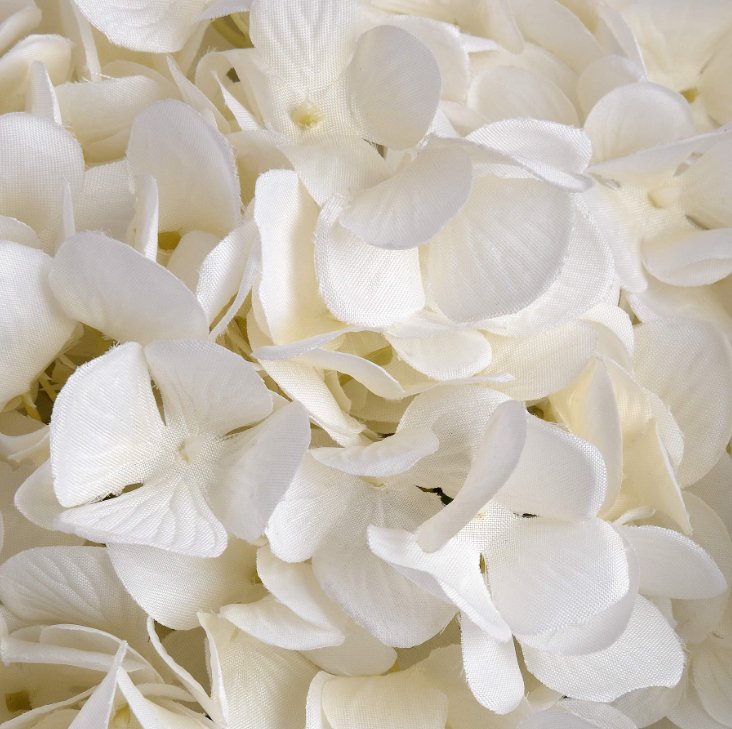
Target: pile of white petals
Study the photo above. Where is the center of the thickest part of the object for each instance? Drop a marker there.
(365, 364)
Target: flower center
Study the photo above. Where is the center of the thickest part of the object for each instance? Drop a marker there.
(197, 447)
(307, 115)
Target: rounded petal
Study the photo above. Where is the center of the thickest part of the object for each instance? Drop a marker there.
(501, 251)
(362, 284)
(413, 205)
(193, 164)
(37, 158)
(648, 653)
(162, 27)
(110, 286)
(106, 432)
(395, 87)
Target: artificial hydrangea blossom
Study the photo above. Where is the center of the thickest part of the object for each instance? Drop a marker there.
(365, 364)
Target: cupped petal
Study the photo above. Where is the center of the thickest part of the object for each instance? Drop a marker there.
(688, 364)
(173, 588)
(648, 653)
(634, 117)
(160, 28)
(498, 454)
(395, 85)
(698, 259)
(33, 328)
(110, 286)
(206, 388)
(105, 430)
(546, 575)
(672, 565)
(167, 513)
(415, 203)
(193, 164)
(445, 355)
(503, 249)
(392, 455)
(257, 468)
(37, 157)
(569, 486)
(501, 688)
(362, 284)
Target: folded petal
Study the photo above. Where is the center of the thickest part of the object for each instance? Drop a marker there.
(392, 455)
(648, 653)
(688, 364)
(206, 388)
(109, 286)
(258, 466)
(106, 431)
(415, 203)
(395, 87)
(193, 164)
(36, 158)
(491, 669)
(498, 454)
(33, 328)
(362, 284)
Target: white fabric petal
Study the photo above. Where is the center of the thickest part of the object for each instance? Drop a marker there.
(546, 575)
(193, 164)
(569, 714)
(555, 153)
(501, 251)
(387, 457)
(206, 388)
(275, 624)
(74, 585)
(257, 469)
(97, 709)
(672, 565)
(160, 28)
(404, 699)
(491, 669)
(497, 456)
(508, 92)
(113, 288)
(166, 513)
(307, 44)
(711, 674)
(688, 365)
(106, 431)
(174, 588)
(559, 475)
(362, 284)
(33, 328)
(271, 674)
(451, 574)
(395, 87)
(706, 188)
(36, 157)
(446, 355)
(648, 653)
(634, 117)
(415, 203)
(698, 259)
(288, 290)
